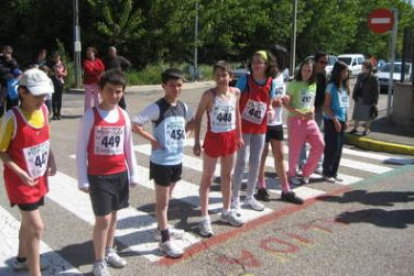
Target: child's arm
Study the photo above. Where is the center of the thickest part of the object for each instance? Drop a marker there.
(129, 154)
(51, 165)
(29, 181)
(150, 113)
(240, 141)
(202, 107)
(81, 150)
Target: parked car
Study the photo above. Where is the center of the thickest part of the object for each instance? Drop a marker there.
(354, 62)
(383, 74)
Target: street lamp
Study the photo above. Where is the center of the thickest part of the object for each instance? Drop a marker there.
(195, 42)
(293, 37)
(77, 46)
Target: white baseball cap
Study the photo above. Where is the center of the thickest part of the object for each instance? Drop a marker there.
(37, 82)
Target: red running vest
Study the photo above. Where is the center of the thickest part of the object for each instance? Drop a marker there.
(255, 93)
(29, 149)
(106, 154)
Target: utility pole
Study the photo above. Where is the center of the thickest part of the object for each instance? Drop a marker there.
(77, 46)
(393, 42)
(293, 38)
(195, 42)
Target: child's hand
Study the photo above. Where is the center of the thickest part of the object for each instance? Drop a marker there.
(285, 99)
(197, 149)
(85, 189)
(27, 180)
(155, 145)
(240, 143)
(51, 170)
(133, 184)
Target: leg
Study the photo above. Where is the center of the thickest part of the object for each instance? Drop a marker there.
(59, 94)
(314, 138)
(256, 149)
(302, 157)
(261, 183)
(162, 197)
(227, 164)
(111, 230)
(330, 145)
(340, 137)
(96, 95)
(209, 165)
(100, 235)
(32, 229)
(296, 140)
(277, 149)
(88, 95)
(239, 169)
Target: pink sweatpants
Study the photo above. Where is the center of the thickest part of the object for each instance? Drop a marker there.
(92, 97)
(302, 131)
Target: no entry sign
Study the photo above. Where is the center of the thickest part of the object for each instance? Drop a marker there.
(380, 21)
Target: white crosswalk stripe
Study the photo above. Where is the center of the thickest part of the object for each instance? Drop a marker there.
(135, 227)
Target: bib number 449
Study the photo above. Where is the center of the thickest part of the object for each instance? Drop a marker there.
(111, 141)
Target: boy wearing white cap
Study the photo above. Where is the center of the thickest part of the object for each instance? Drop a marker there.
(28, 161)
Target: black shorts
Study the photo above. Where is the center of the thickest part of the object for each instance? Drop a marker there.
(274, 133)
(108, 193)
(31, 206)
(164, 175)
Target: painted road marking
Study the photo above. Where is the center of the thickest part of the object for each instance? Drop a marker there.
(9, 236)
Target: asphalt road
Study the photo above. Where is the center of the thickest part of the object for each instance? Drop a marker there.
(363, 227)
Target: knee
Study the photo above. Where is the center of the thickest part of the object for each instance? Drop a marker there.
(102, 222)
(37, 230)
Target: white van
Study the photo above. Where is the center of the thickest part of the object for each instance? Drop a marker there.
(354, 62)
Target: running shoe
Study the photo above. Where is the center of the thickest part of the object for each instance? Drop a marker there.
(252, 203)
(231, 218)
(170, 249)
(262, 195)
(291, 197)
(205, 229)
(113, 259)
(100, 269)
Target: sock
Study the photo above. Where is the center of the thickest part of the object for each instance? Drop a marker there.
(205, 217)
(165, 235)
(225, 212)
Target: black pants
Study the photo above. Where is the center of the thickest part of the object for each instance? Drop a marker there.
(333, 148)
(57, 97)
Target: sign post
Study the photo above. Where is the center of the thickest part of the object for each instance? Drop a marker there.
(381, 21)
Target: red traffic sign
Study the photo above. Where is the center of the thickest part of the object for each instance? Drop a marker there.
(380, 21)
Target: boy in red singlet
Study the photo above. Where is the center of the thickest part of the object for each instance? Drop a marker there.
(28, 161)
(223, 139)
(106, 166)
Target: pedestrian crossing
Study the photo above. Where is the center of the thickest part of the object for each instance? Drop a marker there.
(136, 227)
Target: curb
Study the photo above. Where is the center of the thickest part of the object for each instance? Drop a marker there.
(375, 145)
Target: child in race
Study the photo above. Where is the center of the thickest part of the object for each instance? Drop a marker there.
(171, 119)
(106, 167)
(302, 127)
(257, 92)
(223, 138)
(28, 161)
(274, 135)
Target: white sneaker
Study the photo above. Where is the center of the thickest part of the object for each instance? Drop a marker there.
(252, 203)
(100, 269)
(231, 218)
(305, 180)
(170, 249)
(113, 259)
(329, 179)
(205, 229)
(175, 233)
(235, 205)
(319, 171)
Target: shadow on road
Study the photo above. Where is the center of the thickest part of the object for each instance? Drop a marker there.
(399, 219)
(383, 198)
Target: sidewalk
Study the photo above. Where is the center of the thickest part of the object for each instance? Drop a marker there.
(385, 136)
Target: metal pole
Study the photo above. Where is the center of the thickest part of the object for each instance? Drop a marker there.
(293, 38)
(195, 43)
(77, 46)
(393, 37)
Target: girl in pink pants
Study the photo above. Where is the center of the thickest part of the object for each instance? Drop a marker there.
(302, 127)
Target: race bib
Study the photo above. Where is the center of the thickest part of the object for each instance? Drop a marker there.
(306, 99)
(109, 140)
(36, 158)
(343, 100)
(222, 119)
(174, 133)
(254, 112)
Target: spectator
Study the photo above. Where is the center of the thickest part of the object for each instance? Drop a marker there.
(365, 95)
(12, 98)
(115, 61)
(41, 59)
(59, 72)
(93, 68)
(7, 65)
